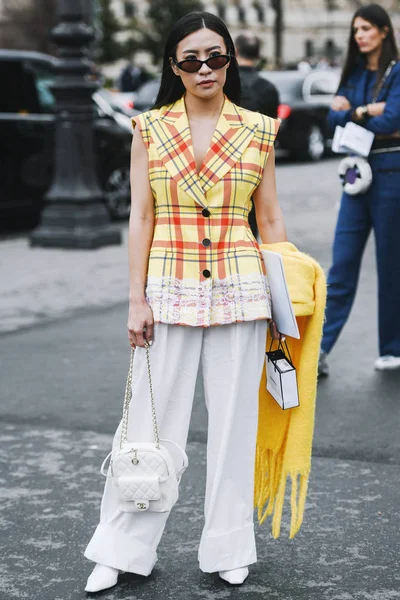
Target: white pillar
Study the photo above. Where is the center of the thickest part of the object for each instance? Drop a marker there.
(210, 7)
(231, 15)
(251, 14)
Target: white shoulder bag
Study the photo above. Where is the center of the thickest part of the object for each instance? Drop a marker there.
(144, 473)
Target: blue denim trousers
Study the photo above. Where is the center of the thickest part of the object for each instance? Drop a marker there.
(378, 209)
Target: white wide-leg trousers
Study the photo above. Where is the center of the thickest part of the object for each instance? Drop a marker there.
(232, 360)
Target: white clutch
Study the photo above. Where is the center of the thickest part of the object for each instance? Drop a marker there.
(352, 139)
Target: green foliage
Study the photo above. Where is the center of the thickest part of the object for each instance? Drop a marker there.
(133, 43)
(109, 48)
(162, 15)
(108, 83)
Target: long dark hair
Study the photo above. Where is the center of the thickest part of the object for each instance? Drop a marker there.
(171, 87)
(376, 15)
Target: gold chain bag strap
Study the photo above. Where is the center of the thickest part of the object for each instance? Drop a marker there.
(144, 473)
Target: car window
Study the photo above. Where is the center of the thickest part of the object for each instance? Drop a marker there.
(320, 87)
(289, 85)
(19, 90)
(147, 94)
(323, 86)
(289, 89)
(43, 76)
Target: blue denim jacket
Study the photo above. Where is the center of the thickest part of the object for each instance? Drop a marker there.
(358, 90)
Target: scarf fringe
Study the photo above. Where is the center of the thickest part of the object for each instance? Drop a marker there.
(269, 491)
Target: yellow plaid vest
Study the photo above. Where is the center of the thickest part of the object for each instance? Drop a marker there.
(205, 267)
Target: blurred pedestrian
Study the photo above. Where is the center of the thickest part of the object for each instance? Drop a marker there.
(132, 77)
(198, 293)
(369, 95)
(258, 94)
(323, 64)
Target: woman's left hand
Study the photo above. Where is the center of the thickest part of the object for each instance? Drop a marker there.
(376, 109)
(274, 331)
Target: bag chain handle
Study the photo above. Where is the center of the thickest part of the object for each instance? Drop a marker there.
(127, 400)
(383, 81)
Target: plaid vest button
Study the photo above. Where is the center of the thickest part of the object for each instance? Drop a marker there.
(205, 212)
(206, 242)
(206, 273)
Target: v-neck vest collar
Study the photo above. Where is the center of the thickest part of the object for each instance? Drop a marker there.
(170, 131)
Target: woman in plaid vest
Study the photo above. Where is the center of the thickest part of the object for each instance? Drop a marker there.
(198, 294)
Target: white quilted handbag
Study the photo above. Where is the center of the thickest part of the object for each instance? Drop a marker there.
(145, 473)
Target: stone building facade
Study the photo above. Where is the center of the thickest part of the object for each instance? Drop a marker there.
(311, 28)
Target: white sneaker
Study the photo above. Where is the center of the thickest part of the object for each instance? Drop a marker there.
(101, 578)
(235, 576)
(387, 363)
(323, 368)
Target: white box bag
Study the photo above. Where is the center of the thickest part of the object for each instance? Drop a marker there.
(282, 377)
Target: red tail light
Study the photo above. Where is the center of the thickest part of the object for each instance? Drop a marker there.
(284, 111)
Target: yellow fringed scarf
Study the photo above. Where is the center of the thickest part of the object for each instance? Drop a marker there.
(284, 439)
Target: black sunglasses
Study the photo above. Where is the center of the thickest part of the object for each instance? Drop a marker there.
(192, 65)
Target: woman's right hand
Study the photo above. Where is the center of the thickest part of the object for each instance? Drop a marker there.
(340, 103)
(273, 330)
(140, 324)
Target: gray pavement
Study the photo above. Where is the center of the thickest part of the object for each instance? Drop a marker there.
(63, 359)
(39, 285)
(347, 549)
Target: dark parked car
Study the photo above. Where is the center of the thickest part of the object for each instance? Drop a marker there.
(122, 102)
(27, 128)
(305, 100)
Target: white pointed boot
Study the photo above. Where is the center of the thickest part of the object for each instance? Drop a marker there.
(235, 576)
(101, 578)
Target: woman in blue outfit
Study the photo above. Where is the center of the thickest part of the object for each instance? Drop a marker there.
(369, 95)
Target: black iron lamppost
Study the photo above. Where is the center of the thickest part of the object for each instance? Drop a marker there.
(75, 215)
